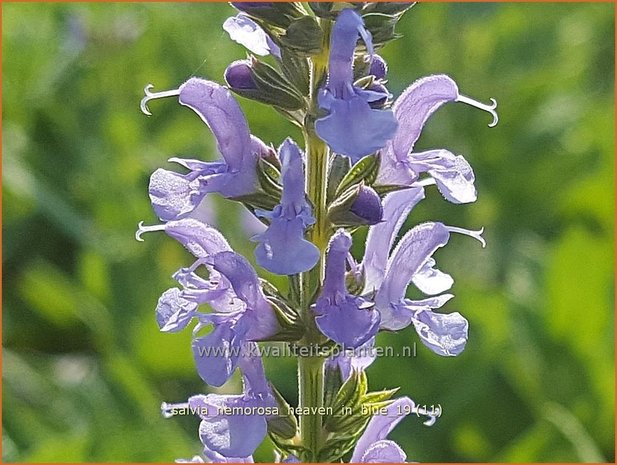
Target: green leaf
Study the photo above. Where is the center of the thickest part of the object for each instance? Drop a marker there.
(365, 170)
(289, 446)
(269, 288)
(277, 15)
(348, 425)
(291, 325)
(295, 289)
(381, 26)
(388, 8)
(322, 9)
(379, 396)
(339, 167)
(333, 380)
(285, 424)
(361, 67)
(272, 88)
(348, 397)
(303, 36)
(335, 448)
(269, 178)
(296, 69)
(340, 211)
(256, 200)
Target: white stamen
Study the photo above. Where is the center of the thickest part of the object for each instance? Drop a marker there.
(482, 106)
(144, 229)
(429, 181)
(475, 234)
(154, 95)
(424, 412)
(167, 410)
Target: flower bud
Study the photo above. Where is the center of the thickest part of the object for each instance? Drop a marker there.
(378, 67)
(357, 206)
(259, 81)
(239, 75)
(367, 206)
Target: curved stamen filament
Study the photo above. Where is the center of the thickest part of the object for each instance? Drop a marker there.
(475, 234)
(431, 419)
(482, 106)
(169, 410)
(154, 95)
(144, 229)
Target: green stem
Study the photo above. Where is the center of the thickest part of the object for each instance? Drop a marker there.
(311, 368)
(311, 386)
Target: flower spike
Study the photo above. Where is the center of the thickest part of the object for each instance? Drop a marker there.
(482, 106)
(154, 95)
(324, 76)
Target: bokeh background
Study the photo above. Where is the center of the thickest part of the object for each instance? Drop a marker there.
(84, 366)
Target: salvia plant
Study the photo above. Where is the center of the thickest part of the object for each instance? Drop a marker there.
(355, 168)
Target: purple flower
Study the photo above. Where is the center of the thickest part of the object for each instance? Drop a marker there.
(241, 311)
(216, 354)
(347, 319)
(373, 447)
(388, 275)
(380, 238)
(246, 32)
(232, 426)
(176, 308)
(174, 195)
(351, 126)
(444, 334)
(399, 165)
(282, 248)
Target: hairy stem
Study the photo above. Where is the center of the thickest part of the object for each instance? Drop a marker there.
(311, 368)
(311, 385)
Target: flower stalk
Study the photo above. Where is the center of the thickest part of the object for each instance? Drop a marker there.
(311, 369)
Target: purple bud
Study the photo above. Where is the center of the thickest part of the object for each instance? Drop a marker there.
(368, 206)
(378, 67)
(239, 75)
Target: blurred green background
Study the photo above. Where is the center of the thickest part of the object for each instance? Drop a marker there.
(84, 366)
